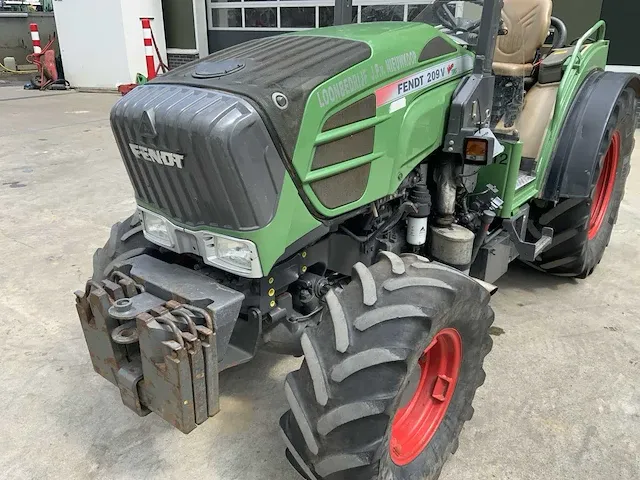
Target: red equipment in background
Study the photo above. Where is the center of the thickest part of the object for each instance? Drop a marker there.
(43, 58)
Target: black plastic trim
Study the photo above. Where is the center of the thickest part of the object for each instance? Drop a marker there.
(218, 165)
(262, 74)
(304, 242)
(435, 48)
(552, 67)
(576, 156)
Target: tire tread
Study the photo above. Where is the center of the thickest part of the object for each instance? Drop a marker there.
(355, 372)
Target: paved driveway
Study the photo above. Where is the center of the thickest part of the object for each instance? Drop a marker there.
(561, 401)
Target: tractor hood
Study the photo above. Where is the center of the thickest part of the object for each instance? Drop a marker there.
(214, 145)
(279, 74)
(275, 74)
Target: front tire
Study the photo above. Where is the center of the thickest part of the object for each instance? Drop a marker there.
(126, 241)
(402, 346)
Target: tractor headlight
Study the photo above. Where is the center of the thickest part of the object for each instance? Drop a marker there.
(234, 255)
(156, 229)
(234, 252)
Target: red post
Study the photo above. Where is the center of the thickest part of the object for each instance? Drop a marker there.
(148, 48)
(35, 38)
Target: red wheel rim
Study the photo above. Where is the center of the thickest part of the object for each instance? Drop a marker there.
(604, 187)
(416, 423)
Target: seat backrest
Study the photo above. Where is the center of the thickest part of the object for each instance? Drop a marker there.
(528, 23)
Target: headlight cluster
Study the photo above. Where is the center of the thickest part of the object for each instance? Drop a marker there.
(157, 230)
(230, 254)
(233, 255)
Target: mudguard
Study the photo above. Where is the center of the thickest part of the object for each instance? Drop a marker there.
(577, 153)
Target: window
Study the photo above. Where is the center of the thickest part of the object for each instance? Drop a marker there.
(414, 10)
(291, 15)
(178, 25)
(260, 17)
(327, 15)
(227, 17)
(382, 13)
(297, 17)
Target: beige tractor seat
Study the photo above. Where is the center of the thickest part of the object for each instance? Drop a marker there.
(528, 23)
(512, 69)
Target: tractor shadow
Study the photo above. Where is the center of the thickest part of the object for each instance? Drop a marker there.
(263, 373)
(523, 277)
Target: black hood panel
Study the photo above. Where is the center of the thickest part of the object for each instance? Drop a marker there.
(287, 64)
(201, 157)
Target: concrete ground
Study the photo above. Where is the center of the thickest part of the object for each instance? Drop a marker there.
(561, 401)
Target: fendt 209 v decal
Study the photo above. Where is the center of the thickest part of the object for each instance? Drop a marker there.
(424, 79)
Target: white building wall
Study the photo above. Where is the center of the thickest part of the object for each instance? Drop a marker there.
(101, 40)
(92, 42)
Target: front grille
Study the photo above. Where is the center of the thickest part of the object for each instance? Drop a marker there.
(231, 173)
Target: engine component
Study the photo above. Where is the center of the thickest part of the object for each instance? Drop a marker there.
(447, 191)
(417, 230)
(316, 284)
(488, 199)
(494, 257)
(417, 222)
(470, 177)
(452, 245)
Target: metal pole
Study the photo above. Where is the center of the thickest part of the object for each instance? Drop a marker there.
(342, 12)
(486, 47)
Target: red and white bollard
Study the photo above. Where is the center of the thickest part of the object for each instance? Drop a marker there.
(148, 48)
(44, 60)
(35, 38)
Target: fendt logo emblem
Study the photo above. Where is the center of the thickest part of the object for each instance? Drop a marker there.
(148, 124)
(158, 156)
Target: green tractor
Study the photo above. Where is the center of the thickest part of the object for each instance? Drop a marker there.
(349, 194)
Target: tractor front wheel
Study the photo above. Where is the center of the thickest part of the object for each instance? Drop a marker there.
(126, 241)
(390, 373)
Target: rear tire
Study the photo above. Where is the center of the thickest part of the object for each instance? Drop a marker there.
(583, 227)
(359, 361)
(126, 241)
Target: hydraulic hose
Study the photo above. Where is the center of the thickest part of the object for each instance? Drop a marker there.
(487, 219)
(29, 72)
(390, 222)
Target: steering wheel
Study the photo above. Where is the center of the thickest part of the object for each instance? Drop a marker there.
(446, 14)
(559, 33)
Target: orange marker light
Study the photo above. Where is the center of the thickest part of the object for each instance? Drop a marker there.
(476, 150)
